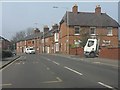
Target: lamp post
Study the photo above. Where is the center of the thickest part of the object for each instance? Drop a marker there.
(43, 42)
(67, 29)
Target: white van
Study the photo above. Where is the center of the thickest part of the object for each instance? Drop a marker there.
(91, 48)
(29, 50)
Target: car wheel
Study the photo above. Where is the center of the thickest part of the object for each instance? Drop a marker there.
(92, 55)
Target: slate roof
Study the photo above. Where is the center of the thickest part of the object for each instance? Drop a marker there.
(89, 19)
(48, 34)
(36, 35)
(1, 38)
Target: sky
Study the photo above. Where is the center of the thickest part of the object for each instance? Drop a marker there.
(18, 16)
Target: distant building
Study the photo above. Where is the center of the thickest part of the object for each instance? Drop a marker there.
(50, 39)
(32, 40)
(43, 42)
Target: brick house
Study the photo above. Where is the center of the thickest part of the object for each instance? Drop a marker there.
(50, 39)
(4, 44)
(96, 24)
(32, 40)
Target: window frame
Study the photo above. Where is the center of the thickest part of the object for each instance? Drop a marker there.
(109, 31)
(75, 30)
(94, 31)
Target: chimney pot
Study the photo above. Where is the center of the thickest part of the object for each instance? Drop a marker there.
(46, 28)
(75, 8)
(98, 9)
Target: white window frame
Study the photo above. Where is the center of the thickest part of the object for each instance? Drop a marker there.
(109, 31)
(75, 30)
(94, 30)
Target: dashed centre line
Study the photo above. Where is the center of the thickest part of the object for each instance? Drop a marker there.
(56, 63)
(105, 85)
(73, 70)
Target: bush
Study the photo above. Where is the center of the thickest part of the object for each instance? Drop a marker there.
(6, 54)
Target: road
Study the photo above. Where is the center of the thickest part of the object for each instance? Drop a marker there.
(52, 71)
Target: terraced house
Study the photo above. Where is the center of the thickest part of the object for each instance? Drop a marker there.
(32, 40)
(95, 24)
(42, 42)
(50, 39)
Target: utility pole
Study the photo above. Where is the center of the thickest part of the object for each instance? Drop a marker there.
(67, 29)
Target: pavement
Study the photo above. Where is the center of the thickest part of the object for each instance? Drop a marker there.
(97, 60)
(8, 60)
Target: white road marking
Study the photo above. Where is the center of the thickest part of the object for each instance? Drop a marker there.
(46, 58)
(73, 70)
(48, 68)
(105, 85)
(9, 84)
(56, 63)
(17, 63)
(57, 81)
(97, 62)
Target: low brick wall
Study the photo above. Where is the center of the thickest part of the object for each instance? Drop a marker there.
(77, 51)
(110, 53)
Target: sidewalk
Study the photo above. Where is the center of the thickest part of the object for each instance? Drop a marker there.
(97, 60)
(6, 61)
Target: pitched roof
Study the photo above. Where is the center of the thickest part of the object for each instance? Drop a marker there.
(89, 19)
(50, 33)
(1, 38)
(36, 35)
(32, 36)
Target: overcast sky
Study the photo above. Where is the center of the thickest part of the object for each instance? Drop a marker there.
(17, 16)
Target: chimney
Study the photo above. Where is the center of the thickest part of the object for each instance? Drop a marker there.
(46, 28)
(75, 8)
(98, 9)
(55, 26)
(36, 31)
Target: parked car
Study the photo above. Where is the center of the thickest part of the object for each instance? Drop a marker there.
(29, 50)
(14, 53)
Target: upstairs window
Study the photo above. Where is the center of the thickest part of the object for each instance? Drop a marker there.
(32, 42)
(109, 31)
(92, 30)
(77, 30)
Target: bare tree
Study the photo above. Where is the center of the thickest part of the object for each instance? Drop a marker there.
(84, 36)
(29, 31)
(19, 36)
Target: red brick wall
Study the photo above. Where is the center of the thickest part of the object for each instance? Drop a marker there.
(110, 53)
(77, 51)
(101, 33)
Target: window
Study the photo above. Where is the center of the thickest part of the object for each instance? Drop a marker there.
(109, 31)
(32, 42)
(92, 30)
(77, 30)
(90, 43)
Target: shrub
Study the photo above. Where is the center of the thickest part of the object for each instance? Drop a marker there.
(6, 54)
